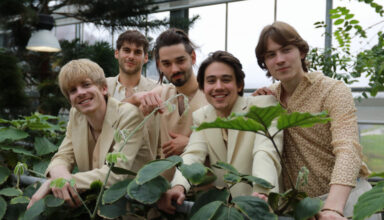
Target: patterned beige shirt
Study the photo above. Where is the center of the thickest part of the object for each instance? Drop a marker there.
(331, 151)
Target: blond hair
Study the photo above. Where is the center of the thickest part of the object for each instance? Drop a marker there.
(78, 70)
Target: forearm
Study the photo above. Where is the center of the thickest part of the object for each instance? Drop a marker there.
(337, 197)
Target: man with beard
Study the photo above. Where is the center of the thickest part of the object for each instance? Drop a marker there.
(132, 53)
(175, 55)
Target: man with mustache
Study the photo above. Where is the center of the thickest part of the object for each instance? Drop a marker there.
(175, 56)
(132, 53)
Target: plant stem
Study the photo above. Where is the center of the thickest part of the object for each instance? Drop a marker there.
(281, 158)
(82, 201)
(101, 192)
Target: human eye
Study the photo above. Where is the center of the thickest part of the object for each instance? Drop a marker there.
(72, 90)
(210, 80)
(270, 55)
(138, 52)
(165, 64)
(286, 49)
(227, 79)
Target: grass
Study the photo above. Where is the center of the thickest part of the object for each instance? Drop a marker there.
(373, 149)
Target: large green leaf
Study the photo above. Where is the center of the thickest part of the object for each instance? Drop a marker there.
(116, 191)
(36, 209)
(208, 197)
(43, 146)
(153, 170)
(236, 123)
(51, 201)
(370, 202)
(3, 207)
(301, 119)
(12, 134)
(227, 213)
(259, 181)
(207, 211)
(149, 192)
(175, 159)
(232, 178)
(20, 200)
(122, 171)
(265, 115)
(41, 165)
(253, 207)
(307, 208)
(18, 150)
(4, 174)
(193, 172)
(114, 210)
(11, 192)
(273, 200)
(226, 166)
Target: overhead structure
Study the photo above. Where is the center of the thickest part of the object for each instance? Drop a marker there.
(43, 40)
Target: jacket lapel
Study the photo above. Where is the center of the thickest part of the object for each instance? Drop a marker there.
(240, 106)
(80, 141)
(108, 129)
(214, 135)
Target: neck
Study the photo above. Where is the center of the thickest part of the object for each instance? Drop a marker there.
(96, 119)
(129, 81)
(290, 86)
(190, 87)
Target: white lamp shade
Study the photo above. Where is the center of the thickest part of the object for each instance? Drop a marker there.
(43, 41)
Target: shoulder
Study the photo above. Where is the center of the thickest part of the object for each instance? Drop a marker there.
(111, 80)
(201, 113)
(261, 101)
(327, 84)
(123, 112)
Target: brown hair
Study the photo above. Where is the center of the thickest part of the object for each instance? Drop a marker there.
(77, 70)
(283, 34)
(226, 58)
(171, 37)
(133, 36)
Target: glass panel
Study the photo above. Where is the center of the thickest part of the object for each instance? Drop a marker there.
(372, 140)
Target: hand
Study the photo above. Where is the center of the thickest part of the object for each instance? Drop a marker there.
(165, 202)
(40, 193)
(149, 101)
(329, 215)
(263, 91)
(176, 145)
(261, 196)
(67, 192)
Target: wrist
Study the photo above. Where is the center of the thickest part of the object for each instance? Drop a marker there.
(180, 188)
(333, 210)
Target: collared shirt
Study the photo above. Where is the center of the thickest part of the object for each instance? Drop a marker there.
(330, 151)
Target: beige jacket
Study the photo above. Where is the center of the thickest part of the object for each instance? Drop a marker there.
(74, 148)
(248, 152)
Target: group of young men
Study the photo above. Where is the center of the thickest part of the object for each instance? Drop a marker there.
(99, 106)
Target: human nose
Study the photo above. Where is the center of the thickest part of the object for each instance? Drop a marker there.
(175, 68)
(280, 58)
(218, 84)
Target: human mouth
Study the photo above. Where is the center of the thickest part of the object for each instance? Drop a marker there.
(85, 101)
(177, 75)
(282, 69)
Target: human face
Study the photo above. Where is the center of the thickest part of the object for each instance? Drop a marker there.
(87, 97)
(131, 58)
(220, 87)
(283, 62)
(176, 64)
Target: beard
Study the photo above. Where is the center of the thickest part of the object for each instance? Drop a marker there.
(129, 71)
(180, 81)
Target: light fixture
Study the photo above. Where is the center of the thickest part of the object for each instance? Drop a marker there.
(43, 40)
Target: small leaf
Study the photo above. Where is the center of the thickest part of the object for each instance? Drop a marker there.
(114, 210)
(114, 156)
(302, 178)
(354, 22)
(226, 166)
(72, 183)
(193, 172)
(95, 185)
(338, 21)
(307, 208)
(20, 200)
(58, 183)
(20, 168)
(116, 191)
(12, 134)
(10, 192)
(349, 16)
(265, 115)
(122, 171)
(149, 192)
(253, 207)
(369, 202)
(3, 207)
(43, 146)
(259, 181)
(36, 209)
(232, 178)
(117, 136)
(170, 107)
(153, 169)
(209, 196)
(301, 119)
(4, 174)
(207, 211)
(51, 201)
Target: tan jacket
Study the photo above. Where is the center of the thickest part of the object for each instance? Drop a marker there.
(248, 152)
(74, 148)
(151, 129)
